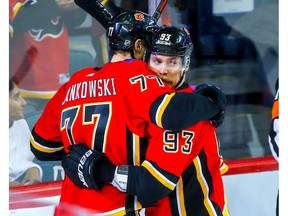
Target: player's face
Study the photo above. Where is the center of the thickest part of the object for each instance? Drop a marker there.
(169, 68)
(16, 105)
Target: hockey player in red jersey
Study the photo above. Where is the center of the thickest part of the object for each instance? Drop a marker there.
(190, 156)
(101, 107)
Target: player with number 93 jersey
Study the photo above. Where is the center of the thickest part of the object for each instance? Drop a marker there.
(100, 107)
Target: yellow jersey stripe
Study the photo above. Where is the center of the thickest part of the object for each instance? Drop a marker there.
(16, 8)
(42, 148)
(37, 94)
(204, 187)
(104, 2)
(161, 178)
(180, 198)
(224, 168)
(116, 212)
(161, 109)
(225, 209)
(136, 149)
(119, 212)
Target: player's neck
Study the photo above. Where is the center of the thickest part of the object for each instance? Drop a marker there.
(120, 56)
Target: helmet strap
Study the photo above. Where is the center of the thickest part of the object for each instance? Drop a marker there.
(185, 67)
(181, 81)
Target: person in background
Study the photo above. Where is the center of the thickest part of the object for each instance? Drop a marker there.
(22, 170)
(40, 46)
(273, 137)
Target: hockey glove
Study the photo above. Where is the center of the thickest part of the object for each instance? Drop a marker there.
(87, 168)
(217, 96)
(218, 119)
(121, 178)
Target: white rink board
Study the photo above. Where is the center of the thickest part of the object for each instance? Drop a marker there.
(252, 194)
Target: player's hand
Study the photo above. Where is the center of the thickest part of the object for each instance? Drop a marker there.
(32, 176)
(82, 165)
(216, 95)
(218, 119)
(14, 183)
(121, 178)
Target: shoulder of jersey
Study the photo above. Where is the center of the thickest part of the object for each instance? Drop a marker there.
(135, 61)
(129, 65)
(83, 72)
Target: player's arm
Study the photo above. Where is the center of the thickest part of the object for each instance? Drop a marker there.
(46, 140)
(165, 162)
(46, 150)
(148, 182)
(169, 109)
(157, 176)
(154, 179)
(91, 169)
(180, 110)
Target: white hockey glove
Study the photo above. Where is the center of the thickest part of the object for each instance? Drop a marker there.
(120, 178)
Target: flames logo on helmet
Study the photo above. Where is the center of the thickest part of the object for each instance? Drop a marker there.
(139, 16)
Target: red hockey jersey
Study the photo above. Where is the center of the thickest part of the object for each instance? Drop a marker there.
(184, 167)
(40, 54)
(192, 155)
(102, 107)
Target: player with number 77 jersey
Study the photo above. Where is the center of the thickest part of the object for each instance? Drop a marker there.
(108, 109)
(101, 107)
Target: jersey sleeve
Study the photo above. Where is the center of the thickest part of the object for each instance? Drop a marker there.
(181, 110)
(46, 141)
(149, 99)
(150, 183)
(168, 155)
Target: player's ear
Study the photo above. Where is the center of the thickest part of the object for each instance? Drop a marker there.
(138, 45)
(139, 49)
